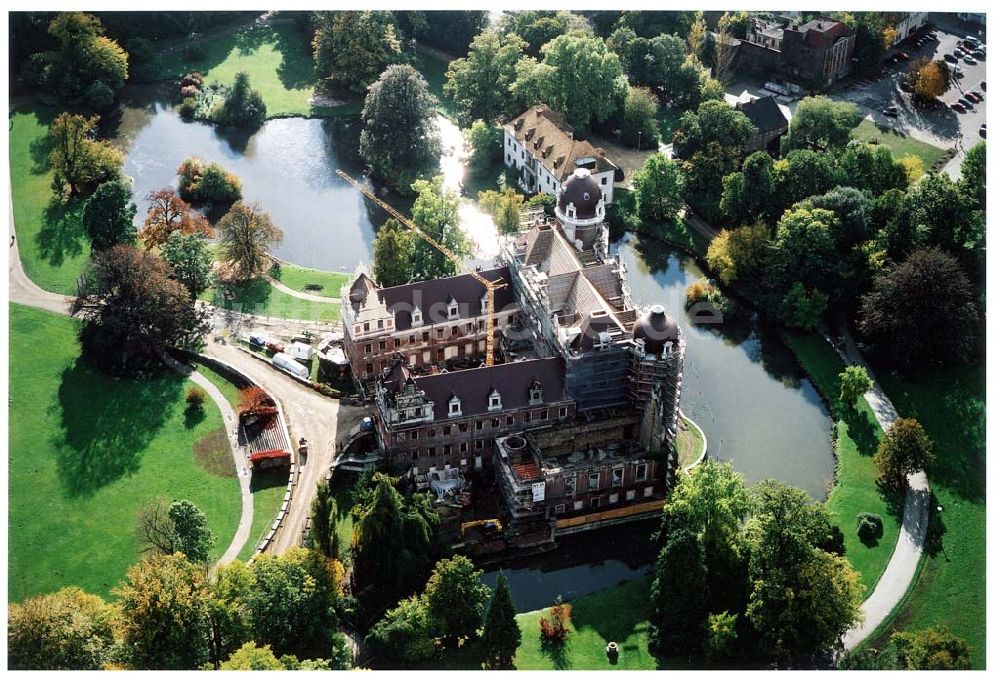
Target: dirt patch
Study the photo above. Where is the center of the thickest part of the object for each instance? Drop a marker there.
(213, 454)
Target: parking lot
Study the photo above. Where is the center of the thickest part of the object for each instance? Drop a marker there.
(941, 125)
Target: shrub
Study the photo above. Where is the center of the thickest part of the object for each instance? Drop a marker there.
(869, 526)
(195, 398)
(194, 78)
(190, 91)
(326, 390)
(555, 623)
(699, 292)
(198, 181)
(188, 108)
(99, 96)
(253, 399)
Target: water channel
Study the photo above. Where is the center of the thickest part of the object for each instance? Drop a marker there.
(741, 383)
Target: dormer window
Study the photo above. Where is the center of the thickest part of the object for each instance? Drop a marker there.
(535, 393)
(452, 308)
(495, 403)
(416, 318)
(454, 406)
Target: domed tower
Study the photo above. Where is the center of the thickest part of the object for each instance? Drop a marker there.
(580, 210)
(655, 376)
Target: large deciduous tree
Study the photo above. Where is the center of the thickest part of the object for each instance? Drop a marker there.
(747, 195)
(921, 311)
(405, 634)
(108, 214)
(501, 633)
(177, 527)
(456, 599)
(905, 449)
(66, 630)
(191, 259)
(740, 255)
(659, 189)
(504, 206)
(167, 213)
(478, 85)
(435, 211)
(400, 139)
(679, 594)
(78, 160)
(392, 254)
(821, 124)
(871, 167)
(246, 236)
(351, 49)
(854, 383)
(133, 311)
(639, 126)
(242, 105)
(324, 521)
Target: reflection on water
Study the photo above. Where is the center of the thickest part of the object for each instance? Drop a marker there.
(741, 383)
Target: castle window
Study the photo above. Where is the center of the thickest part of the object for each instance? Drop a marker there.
(453, 309)
(617, 474)
(560, 509)
(381, 324)
(640, 472)
(495, 403)
(535, 395)
(482, 304)
(447, 430)
(479, 425)
(647, 491)
(416, 318)
(431, 432)
(629, 494)
(454, 407)
(570, 485)
(613, 498)
(463, 448)
(562, 412)
(593, 479)
(367, 327)
(396, 342)
(595, 502)
(413, 435)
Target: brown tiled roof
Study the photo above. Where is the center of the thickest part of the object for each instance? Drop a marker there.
(433, 297)
(545, 133)
(764, 113)
(512, 380)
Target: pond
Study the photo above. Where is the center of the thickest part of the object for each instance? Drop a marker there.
(741, 383)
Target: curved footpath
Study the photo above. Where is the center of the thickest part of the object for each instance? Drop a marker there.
(278, 285)
(895, 580)
(24, 291)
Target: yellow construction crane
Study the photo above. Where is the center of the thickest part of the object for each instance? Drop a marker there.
(491, 286)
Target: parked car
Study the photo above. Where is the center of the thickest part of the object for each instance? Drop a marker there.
(982, 130)
(958, 106)
(975, 96)
(904, 56)
(957, 71)
(983, 85)
(951, 58)
(979, 54)
(890, 112)
(970, 61)
(972, 42)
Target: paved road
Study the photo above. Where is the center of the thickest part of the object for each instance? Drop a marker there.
(895, 580)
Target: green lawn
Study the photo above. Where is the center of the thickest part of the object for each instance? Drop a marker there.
(227, 388)
(313, 281)
(53, 245)
(668, 118)
(85, 450)
(276, 58)
(950, 588)
(900, 144)
(433, 69)
(268, 489)
(857, 434)
(260, 298)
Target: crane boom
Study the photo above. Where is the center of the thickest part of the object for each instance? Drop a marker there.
(491, 286)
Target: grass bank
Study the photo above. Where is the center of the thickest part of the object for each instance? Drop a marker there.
(86, 450)
(260, 298)
(857, 435)
(950, 588)
(313, 281)
(50, 237)
(900, 144)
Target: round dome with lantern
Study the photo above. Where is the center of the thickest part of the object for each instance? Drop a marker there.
(655, 328)
(580, 198)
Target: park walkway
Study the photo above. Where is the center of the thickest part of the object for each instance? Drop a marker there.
(898, 574)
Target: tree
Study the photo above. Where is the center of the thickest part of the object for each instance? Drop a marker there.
(194, 538)
(154, 530)
(803, 249)
(163, 615)
(801, 174)
(197, 180)
(656, 62)
(66, 630)
(740, 254)
(133, 311)
(487, 145)
(935, 648)
(478, 85)
(229, 623)
(679, 593)
(351, 49)
(940, 215)
(914, 168)
(77, 159)
(921, 311)
(324, 521)
(801, 308)
(747, 195)
(639, 123)
(720, 635)
(871, 167)
(246, 236)
(404, 634)
(242, 106)
(504, 206)
(905, 449)
(250, 656)
(973, 181)
(539, 27)
(292, 602)
(108, 214)
(578, 76)
(377, 542)
(392, 254)
(435, 211)
(648, 23)
(932, 79)
(456, 599)
(725, 50)
(821, 124)
(450, 31)
(86, 64)
(400, 137)
(501, 633)
(659, 189)
(191, 260)
(854, 383)
(167, 213)
(698, 35)
(802, 598)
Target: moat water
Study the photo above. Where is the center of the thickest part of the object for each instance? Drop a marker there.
(741, 383)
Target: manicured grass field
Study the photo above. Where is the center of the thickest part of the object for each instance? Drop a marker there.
(260, 298)
(313, 281)
(858, 435)
(900, 144)
(277, 59)
(950, 588)
(85, 451)
(53, 245)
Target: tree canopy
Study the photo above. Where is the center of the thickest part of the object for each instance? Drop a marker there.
(191, 259)
(66, 630)
(246, 236)
(78, 160)
(167, 213)
(905, 449)
(352, 48)
(821, 124)
(392, 254)
(108, 214)
(435, 211)
(501, 633)
(659, 189)
(478, 85)
(456, 599)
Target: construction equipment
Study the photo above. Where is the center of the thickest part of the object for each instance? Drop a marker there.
(489, 526)
(491, 286)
